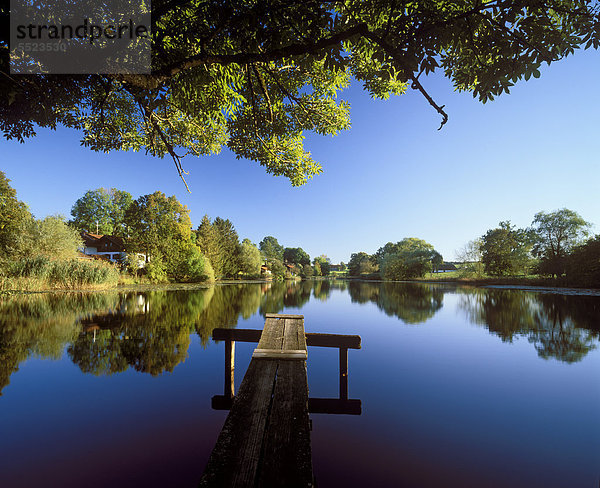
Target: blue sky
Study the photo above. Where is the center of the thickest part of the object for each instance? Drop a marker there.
(392, 175)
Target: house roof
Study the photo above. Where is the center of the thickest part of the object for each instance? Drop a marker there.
(103, 243)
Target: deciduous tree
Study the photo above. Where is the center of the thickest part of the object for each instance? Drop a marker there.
(155, 221)
(271, 249)
(102, 211)
(506, 250)
(556, 233)
(255, 76)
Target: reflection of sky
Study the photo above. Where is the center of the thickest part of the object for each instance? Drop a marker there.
(445, 403)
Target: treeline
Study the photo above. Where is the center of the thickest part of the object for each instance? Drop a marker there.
(405, 259)
(285, 262)
(41, 253)
(557, 244)
(160, 244)
(159, 228)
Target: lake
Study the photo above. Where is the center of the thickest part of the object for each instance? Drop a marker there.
(460, 386)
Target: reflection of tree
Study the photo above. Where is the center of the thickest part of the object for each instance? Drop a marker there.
(149, 332)
(563, 329)
(322, 290)
(286, 294)
(42, 325)
(504, 312)
(412, 303)
(226, 304)
(560, 326)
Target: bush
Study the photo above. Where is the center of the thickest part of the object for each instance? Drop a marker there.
(41, 272)
(189, 264)
(156, 270)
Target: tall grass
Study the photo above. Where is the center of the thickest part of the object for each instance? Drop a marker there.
(41, 273)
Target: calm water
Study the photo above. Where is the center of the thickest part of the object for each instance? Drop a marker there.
(459, 386)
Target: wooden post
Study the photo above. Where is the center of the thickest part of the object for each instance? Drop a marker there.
(229, 385)
(344, 373)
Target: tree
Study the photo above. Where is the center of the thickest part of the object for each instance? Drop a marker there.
(155, 222)
(219, 241)
(361, 263)
(207, 240)
(296, 255)
(188, 264)
(506, 250)
(229, 243)
(583, 263)
(307, 271)
(102, 211)
(323, 264)
(250, 259)
(408, 258)
(53, 238)
(556, 233)
(271, 249)
(254, 76)
(14, 217)
(470, 255)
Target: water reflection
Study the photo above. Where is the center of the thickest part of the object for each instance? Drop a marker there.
(564, 327)
(413, 303)
(107, 333)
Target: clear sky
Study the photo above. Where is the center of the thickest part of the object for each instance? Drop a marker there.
(392, 175)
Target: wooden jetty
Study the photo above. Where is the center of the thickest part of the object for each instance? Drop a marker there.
(265, 441)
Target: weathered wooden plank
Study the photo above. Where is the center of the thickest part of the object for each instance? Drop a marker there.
(229, 386)
(237, 335)
(279, 354)
(234, 460)
(335, 406)
(294, 337)
(265, 441)
(343, 373)
(312, 339)
(315, 405)
(272, 335)
(287, 453)
(283, 316)
(333, 340)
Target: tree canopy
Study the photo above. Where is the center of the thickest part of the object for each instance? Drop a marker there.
(505, 249)
(556, 234)
(256, 76)
(102, 211)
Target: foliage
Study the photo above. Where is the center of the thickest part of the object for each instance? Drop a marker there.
(254, 76)
(556, 233)
(271, 249)
(50, 237)
(408, 258)
(583, 263)
(102, 211)
(506, 250)
(40, 272)
(229, 245)
(307, 271)
(188, 264)
(470, 255)
(156, 270)
(361, 263)
(296, 255)
(278, 270)
(219, 242)
(323, 264)
(14, 217)
(155, 222)
(250, 259)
